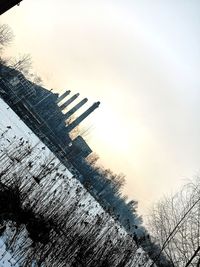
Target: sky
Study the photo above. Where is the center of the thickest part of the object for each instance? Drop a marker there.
(141, 60)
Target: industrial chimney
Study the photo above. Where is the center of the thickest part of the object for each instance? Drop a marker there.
(69, 101)
(77, 121)
(60, 98)
(75, 108)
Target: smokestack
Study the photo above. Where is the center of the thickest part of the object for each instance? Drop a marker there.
(77, 121)
(75, 108)
(61, 97)
(69, 101)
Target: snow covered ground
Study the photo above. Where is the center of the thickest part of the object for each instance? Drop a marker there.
(51, 180)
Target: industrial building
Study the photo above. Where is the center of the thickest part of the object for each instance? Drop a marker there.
(46, 113)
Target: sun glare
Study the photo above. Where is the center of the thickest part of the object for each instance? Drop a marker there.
(110, 129)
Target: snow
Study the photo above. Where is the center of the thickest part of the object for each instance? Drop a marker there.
(56, 184)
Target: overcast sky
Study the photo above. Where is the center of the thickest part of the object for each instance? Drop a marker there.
(141, 59)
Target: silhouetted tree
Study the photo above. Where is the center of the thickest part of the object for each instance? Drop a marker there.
(175, 224)
(6, 35)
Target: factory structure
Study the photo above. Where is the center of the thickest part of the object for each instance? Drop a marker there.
(44, 111)
(47, 113)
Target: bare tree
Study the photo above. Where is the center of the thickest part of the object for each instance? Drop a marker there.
(6, 35)
(92, 159)
(22, 64)
(175, 224)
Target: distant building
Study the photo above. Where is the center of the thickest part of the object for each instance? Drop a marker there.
(80, 147)
(45, 112)
(7, 4)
